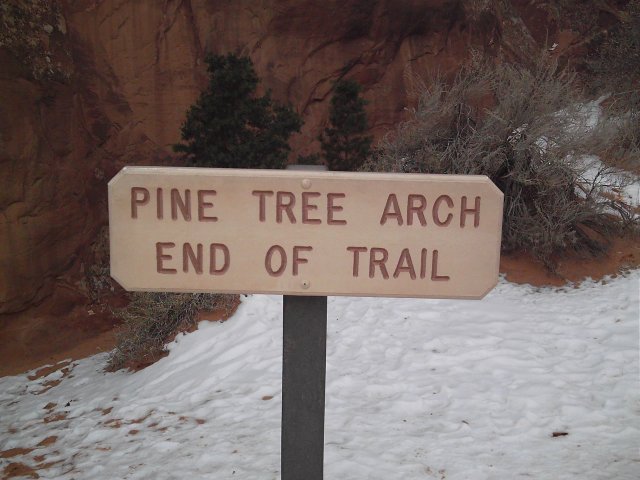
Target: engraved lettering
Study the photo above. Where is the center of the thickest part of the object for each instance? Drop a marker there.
(464, 211)
(161, 257)
(159, 204)
(306, 207)
(423, 263)
(262, 209)
(136, 199)
(391, 210)
(434, 269)
(380, 262)
(405, 264)
(285, 206)
(436, 209)
(356, 258)
(213, 264)
(268, 261)
(413, 209)
(202, 205)
(331, 208)
(189, 256)
(182, 204)
(297, 260)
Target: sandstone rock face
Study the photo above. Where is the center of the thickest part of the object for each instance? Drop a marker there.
(137, 66)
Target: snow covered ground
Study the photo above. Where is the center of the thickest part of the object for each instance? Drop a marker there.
(416, 389)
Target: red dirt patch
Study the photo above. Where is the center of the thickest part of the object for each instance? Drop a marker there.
(60, 328)
(14, 452)
(623, 255)
(141, 419)
(48, 386)
(44, 466)
(48, 441)
(56, 417)
(63, 327)
(113, 423)
(138, 365)
(48, 370)
(14, 470)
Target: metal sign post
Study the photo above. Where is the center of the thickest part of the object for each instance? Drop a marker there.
(304, 353)
(305, 235)
(303, 383)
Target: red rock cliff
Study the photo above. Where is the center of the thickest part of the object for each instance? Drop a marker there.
(133, 68)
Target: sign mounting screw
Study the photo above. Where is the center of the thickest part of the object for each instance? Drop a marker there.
(306, 183)
(305, 284)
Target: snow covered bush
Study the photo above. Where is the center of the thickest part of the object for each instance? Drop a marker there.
(151, 319)
(524, 129)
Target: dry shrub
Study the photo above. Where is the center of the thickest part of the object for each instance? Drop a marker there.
(613, 61)
(613, 66)
(621, 123)
(524, 129)
(152, 319)
(97, 281)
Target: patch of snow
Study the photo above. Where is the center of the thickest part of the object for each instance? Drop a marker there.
(440, 389)
(610, 181)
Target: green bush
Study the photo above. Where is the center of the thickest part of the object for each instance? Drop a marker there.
(520, 127)
(152, 319)
(345, 145)
(230, 127)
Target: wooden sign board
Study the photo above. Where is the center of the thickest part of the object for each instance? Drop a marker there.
(304, 232)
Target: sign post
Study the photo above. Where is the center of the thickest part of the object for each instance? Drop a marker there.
(304, 234)
(304, 361)
(303, 386)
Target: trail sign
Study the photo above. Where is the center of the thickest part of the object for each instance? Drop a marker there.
(304, 232)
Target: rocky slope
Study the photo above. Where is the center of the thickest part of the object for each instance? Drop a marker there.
(129, 70)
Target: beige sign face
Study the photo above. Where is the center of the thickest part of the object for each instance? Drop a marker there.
(304, 232)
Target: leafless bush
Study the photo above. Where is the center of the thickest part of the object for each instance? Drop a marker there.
(151, 319)
(613, 62)
(97, 281)
(621, 123)
(523, 128)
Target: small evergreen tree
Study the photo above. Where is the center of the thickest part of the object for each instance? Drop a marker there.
(230, 127)
(344, 143)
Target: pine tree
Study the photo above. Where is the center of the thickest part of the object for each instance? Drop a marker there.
(344, 143)
(230, 127)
